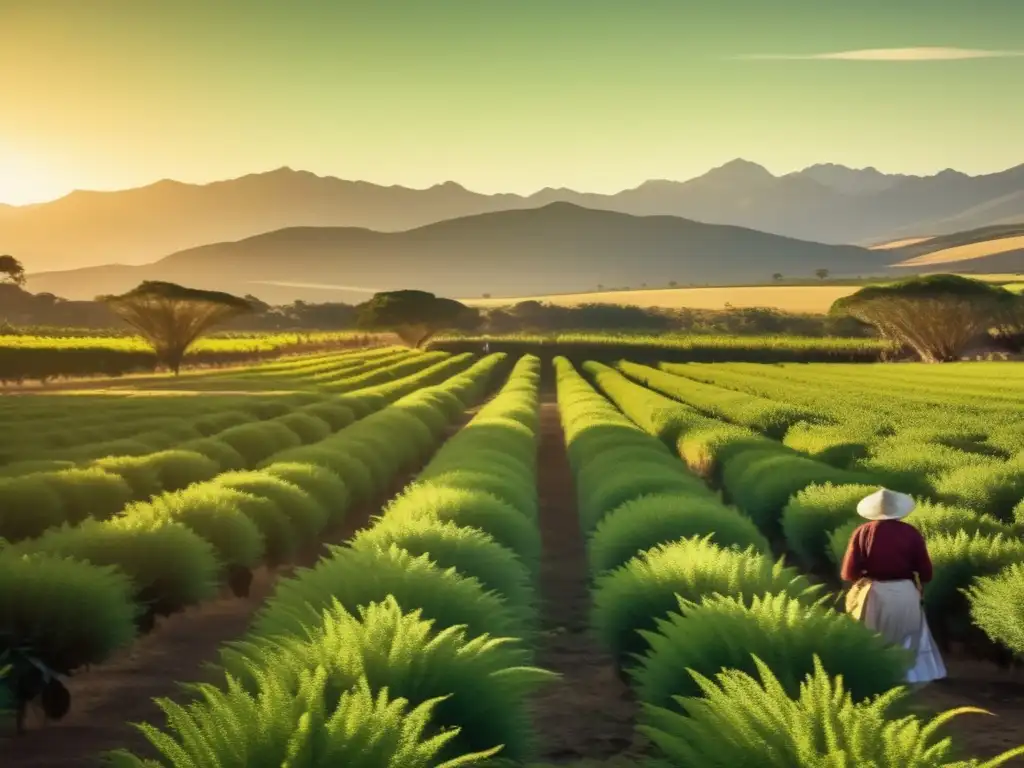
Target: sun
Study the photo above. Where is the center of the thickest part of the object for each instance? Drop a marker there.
(25, 179)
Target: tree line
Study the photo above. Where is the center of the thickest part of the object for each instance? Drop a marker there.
(937, 317)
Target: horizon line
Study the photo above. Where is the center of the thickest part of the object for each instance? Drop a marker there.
(451, 182)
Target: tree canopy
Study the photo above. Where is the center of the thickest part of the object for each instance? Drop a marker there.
(12, 270)
(416, 315)
(938, 316)
(171, 317)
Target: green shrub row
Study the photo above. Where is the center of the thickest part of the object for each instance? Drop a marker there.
(769, 417)
(84, 442)
(325, 374)
(379, 375)
(33, 502)
(320, 376)
(42, 363)
(312, 366)
(92, 584)
(951, 397)
(411, 635)
(757, 474)
(632, 493)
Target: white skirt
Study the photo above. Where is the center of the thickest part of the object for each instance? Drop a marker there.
(929, 665)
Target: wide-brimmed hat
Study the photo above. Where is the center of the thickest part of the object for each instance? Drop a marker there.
(886, 505)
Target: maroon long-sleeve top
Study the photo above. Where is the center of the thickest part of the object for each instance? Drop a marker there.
(887, 550)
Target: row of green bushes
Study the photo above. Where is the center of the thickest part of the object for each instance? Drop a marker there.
(312, 366)
(352, 381)
(654, 348)
(19, 364)
(307, 377)
(770, 417)
(78, 593)
(721, 643)
(39, 426)
(964, 446)
(319, 376)
(757, 473)
(412, 636)
(31, 503)
(973, 407)
(86, 443)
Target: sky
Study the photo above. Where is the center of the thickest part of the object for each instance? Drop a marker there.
(500, 95)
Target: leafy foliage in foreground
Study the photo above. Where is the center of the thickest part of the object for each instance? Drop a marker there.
(997, 606)
(721, 632)
(637, 595)
(486, 681)
(742, 721)
(232, 729)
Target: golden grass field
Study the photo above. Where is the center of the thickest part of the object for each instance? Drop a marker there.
(967, 252)
(814, 299)
(809, 299)
(894, 244)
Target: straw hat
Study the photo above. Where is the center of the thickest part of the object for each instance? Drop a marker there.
(885, 505)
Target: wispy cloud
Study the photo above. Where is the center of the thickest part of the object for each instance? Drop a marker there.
(889, 54)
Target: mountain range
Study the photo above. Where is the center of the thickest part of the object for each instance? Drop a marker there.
(823, 203)
(559, 247)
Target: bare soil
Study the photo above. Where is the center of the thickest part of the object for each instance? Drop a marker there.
(589, 713)
(982, 685)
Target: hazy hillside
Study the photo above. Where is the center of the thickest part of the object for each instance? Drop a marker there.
(556, 248)
(823, 203)
(138, 226)
(995, 249)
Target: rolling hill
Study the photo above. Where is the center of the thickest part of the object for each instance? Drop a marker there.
(557, 248)
(823, 203)
(995, 249)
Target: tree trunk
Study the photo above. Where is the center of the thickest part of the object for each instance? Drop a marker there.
(425, 338)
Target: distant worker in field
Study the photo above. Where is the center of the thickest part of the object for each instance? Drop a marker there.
(887, 561)
(487, 347)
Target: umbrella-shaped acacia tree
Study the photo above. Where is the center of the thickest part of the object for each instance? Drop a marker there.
(12, 270)
(171, 317)
(937, 316)
(416, 315)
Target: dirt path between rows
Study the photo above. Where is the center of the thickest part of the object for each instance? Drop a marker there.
(980, 684)
(108, 698)
(590, 712)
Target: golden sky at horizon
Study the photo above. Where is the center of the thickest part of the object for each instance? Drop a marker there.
(596, 95)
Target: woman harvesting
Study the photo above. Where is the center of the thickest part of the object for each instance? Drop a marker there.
(887, 561)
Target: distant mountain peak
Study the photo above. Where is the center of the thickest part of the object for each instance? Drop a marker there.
(452, 186)
(742, 166)
(739, 171)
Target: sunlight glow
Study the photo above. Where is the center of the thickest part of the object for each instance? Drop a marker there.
(25, 179)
